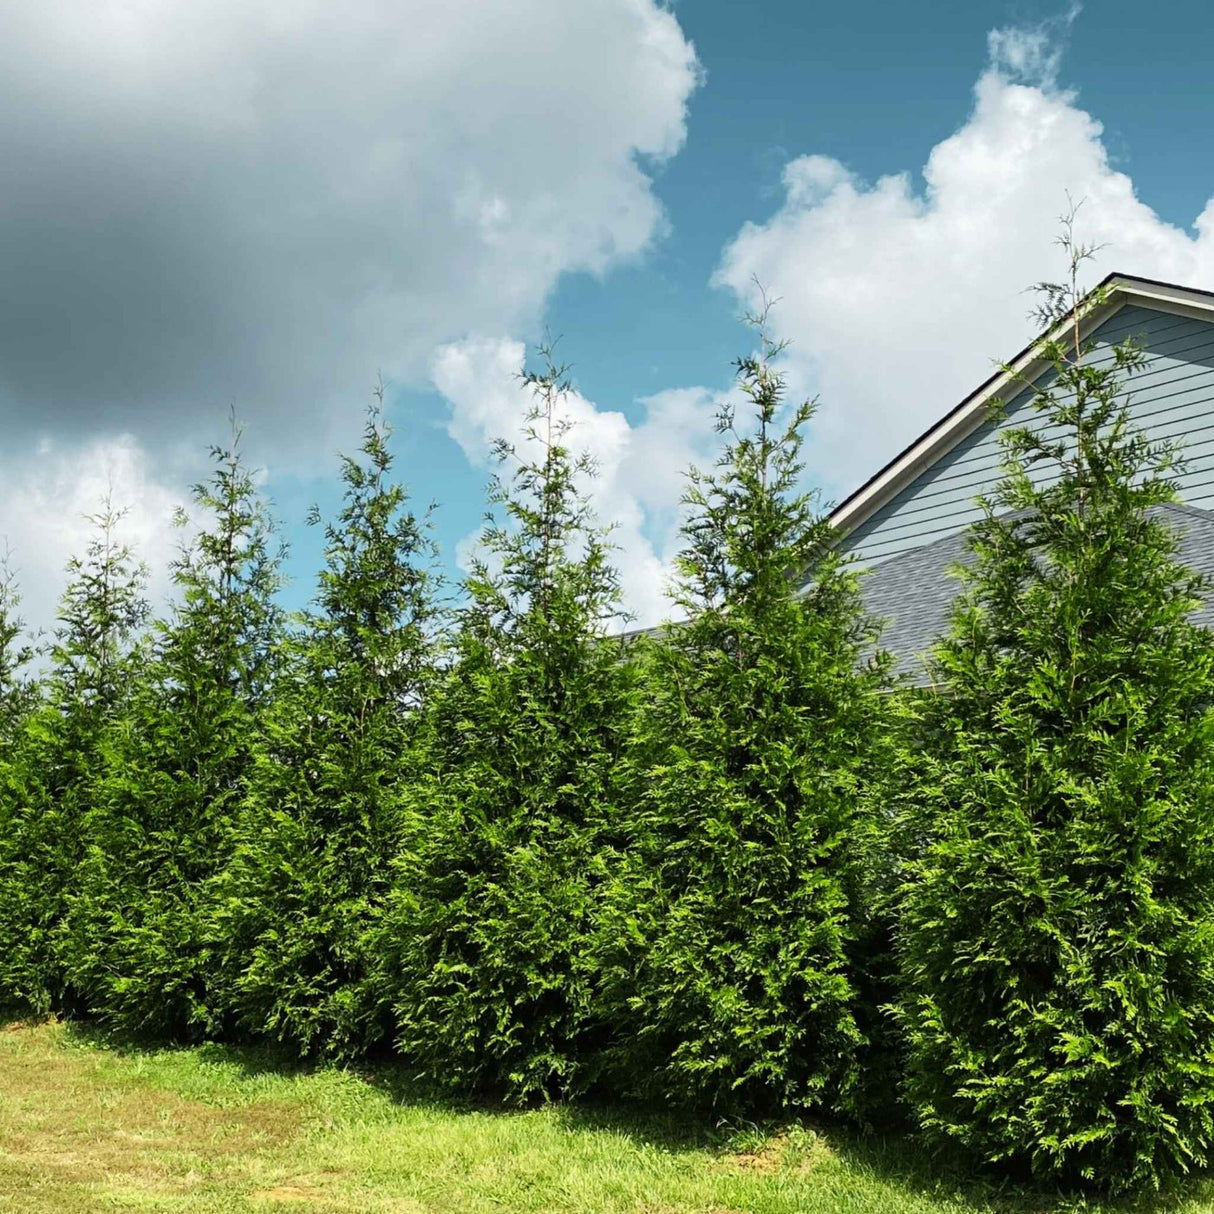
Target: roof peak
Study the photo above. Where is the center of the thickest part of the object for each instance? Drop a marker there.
(1118, 288)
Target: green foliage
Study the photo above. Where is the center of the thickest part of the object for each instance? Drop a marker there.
(484, 949)
(17, 690)
(298, 906)
(689, 866)
(732, 943)
(21, 981)
(50, 764)
(174, 767)
(1057, 930)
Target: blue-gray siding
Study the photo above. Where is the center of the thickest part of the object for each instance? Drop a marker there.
(1172, 397)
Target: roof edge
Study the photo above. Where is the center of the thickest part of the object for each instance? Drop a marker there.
(963, 418)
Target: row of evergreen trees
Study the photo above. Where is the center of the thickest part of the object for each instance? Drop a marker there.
(729, 864)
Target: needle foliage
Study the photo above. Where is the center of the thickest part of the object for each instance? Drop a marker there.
(53, 755)
(1057, 922)
(485, 948)
(733, 940)
(297, 909)
(174, 771)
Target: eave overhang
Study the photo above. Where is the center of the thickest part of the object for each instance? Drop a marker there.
(1115, 292)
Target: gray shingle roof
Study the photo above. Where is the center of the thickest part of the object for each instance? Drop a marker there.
(912, 592)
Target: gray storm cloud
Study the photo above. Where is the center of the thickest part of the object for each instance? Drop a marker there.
(265, 203)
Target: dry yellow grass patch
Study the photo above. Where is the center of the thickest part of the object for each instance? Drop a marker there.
(796, 1152)
(75, 1122)
(86, 1128)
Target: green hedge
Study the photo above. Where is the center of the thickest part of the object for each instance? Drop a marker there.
(719, 865)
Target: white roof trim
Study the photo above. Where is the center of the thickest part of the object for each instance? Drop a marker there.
(1122, 289)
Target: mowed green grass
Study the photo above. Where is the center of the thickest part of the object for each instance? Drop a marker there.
(88, 1127)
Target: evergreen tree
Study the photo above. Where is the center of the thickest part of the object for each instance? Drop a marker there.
(734, 944)
(485, 944)
(1057, 923)
(17, 689)
(175, 768)
(50, 767)
(17, 692)
(320, 828)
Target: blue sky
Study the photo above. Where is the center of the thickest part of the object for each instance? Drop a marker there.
(268, 209)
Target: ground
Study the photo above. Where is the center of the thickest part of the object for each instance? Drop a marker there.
(86, 1125)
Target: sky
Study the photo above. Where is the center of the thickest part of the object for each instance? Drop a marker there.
(270, 206)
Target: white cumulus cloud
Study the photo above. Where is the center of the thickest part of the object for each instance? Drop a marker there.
(267, 202)
(898, 299)
(639, 466)
(46, 503)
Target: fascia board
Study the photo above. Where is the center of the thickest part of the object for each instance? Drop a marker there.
(1024, 368)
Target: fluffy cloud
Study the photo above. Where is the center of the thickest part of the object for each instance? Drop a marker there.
(265, 202)
(639, 480)
(898, 300)
(47, 501)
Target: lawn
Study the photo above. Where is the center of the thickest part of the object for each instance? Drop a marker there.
(88, 1126)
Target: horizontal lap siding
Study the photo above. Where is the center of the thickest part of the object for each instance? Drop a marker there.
(1171, 398)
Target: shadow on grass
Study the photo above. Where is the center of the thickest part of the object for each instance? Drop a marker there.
(893, 1157)
(903, 1160)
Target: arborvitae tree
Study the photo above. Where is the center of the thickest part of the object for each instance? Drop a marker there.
(176, 766)
(733, 942)
(54, 758)
(485, 947)
(17, 689)
(1057, 930)
(321, 823)
(17, 693)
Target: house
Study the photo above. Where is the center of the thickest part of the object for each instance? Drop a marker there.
(905, 525)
